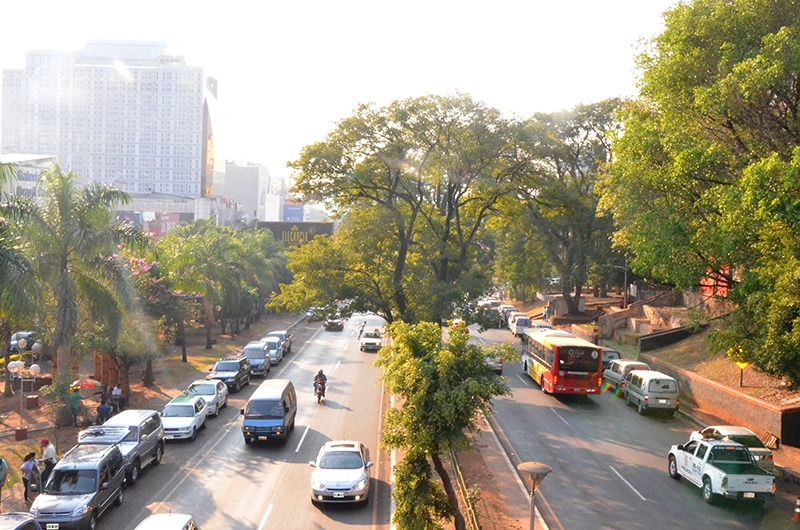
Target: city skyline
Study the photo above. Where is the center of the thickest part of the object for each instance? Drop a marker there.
(288, 73)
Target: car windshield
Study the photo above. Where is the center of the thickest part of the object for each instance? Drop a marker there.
(747, 440)
(71, 482)
(178, 411)
(254, 353)
(341, 460)
(662, 385)
(264, 409)
(227, 366)
(272, 346)
(203, 390)
(371, 335)
(133, 434)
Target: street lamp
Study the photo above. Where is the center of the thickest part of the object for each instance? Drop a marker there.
(536, 471)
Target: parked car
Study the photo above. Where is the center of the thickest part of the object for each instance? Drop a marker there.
(87, 481)
(142, 439)
(286, 339)
(614, 376)
(214, 391)
(650, 390)
(505, 310)
(18, 521)
(761, 453)
(257, 352)
(233, 370)
(274, 349)
(168, 521)
(341, 473)
(609, 354)
(334, 323)
(183, 416)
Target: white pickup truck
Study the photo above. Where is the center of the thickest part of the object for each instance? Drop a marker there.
(721, 468)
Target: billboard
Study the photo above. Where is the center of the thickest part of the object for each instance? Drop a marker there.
(292, 212)
(291, 234)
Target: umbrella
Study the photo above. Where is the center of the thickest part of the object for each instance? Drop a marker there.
(87, 386)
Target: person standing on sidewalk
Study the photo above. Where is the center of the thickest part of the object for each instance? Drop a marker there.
(75, 400)
(48, 457)
(28, 463)
(3, 475)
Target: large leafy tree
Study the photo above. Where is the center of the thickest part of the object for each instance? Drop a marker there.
(69, 236)
(420, 178)
(700, 183)
(443, 386)
(558, 212)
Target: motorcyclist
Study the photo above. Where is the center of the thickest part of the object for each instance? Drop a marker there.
(320, 379)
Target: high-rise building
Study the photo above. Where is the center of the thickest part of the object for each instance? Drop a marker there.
(119, 113)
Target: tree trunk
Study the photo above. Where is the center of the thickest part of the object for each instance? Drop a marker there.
(63, 364)
(149, 377)
(223, 324)
(209, 325)
(458, 517)
(182, 337)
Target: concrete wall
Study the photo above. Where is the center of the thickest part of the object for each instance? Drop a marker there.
(734, 408)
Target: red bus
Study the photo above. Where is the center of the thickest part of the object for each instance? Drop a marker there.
(561, 363)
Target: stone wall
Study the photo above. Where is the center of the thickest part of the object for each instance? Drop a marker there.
(733, 407)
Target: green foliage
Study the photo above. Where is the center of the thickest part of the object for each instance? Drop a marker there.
(442, 386)
(705, 179)
(421, 503)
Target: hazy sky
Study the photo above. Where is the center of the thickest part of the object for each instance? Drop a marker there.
(289, 70)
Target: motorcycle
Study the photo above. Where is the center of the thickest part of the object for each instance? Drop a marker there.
(319, 391)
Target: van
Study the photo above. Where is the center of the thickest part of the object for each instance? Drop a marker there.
(651, 390)
(142, 442)
(257, 353)
(270, 412)
(615, 375)
(87, 481)
(519, 323)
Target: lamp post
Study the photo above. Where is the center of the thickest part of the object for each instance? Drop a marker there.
(536, 471)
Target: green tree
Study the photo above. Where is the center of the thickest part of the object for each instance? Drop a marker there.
(569, 151)
(701, 181)
(69, 236)
(429, 172)
(443, 386)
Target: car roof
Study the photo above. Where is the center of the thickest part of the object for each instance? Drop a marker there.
(11, 520)
(650, 374)
(731, 430)
(184, 399)
(272, 339)
(342, 445)
(129, 417)
(630, 362)
(83, 454)
(168, 521)
(103, 434)
(255, 343)
(278, 332)
(205, 382)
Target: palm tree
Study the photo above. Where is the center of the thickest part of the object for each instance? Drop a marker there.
(71, 238)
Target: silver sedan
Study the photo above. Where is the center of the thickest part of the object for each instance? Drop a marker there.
(214, 391)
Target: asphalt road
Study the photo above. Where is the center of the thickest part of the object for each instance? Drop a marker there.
(610, 464)
(226, 484)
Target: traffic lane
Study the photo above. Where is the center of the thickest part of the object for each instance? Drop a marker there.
(583, 439)
(350, 411)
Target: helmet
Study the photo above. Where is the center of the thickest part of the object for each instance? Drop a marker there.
(320, 372)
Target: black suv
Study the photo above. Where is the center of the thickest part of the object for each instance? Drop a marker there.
(233, 370)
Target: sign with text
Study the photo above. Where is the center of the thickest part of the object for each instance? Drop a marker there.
(291, 234)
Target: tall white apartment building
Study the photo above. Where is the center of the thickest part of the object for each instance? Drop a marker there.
(119, 113)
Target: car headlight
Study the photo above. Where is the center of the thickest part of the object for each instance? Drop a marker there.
(361, 485)
(81, 510)
(317, 485)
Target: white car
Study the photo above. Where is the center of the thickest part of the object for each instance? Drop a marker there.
(341, 473)
(742, 435)
(371, 340)
(168, 521)
(214, 391)
(183, 417)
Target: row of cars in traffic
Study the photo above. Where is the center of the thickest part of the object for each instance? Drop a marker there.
(724, 461)
(92, 476)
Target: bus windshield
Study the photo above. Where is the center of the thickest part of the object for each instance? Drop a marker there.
(578, 359)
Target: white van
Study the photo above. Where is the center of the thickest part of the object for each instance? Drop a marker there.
(651, 390)
(518, 323)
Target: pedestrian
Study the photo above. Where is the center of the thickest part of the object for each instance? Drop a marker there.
(28, 463)
(103, 412)
(75, 400)
(3, 475)
(116, 398)
(48, 457)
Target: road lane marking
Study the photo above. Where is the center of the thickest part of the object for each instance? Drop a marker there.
(264, 519)
(525, 380)
(559, 416)
(628, 483)
(297, 450)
